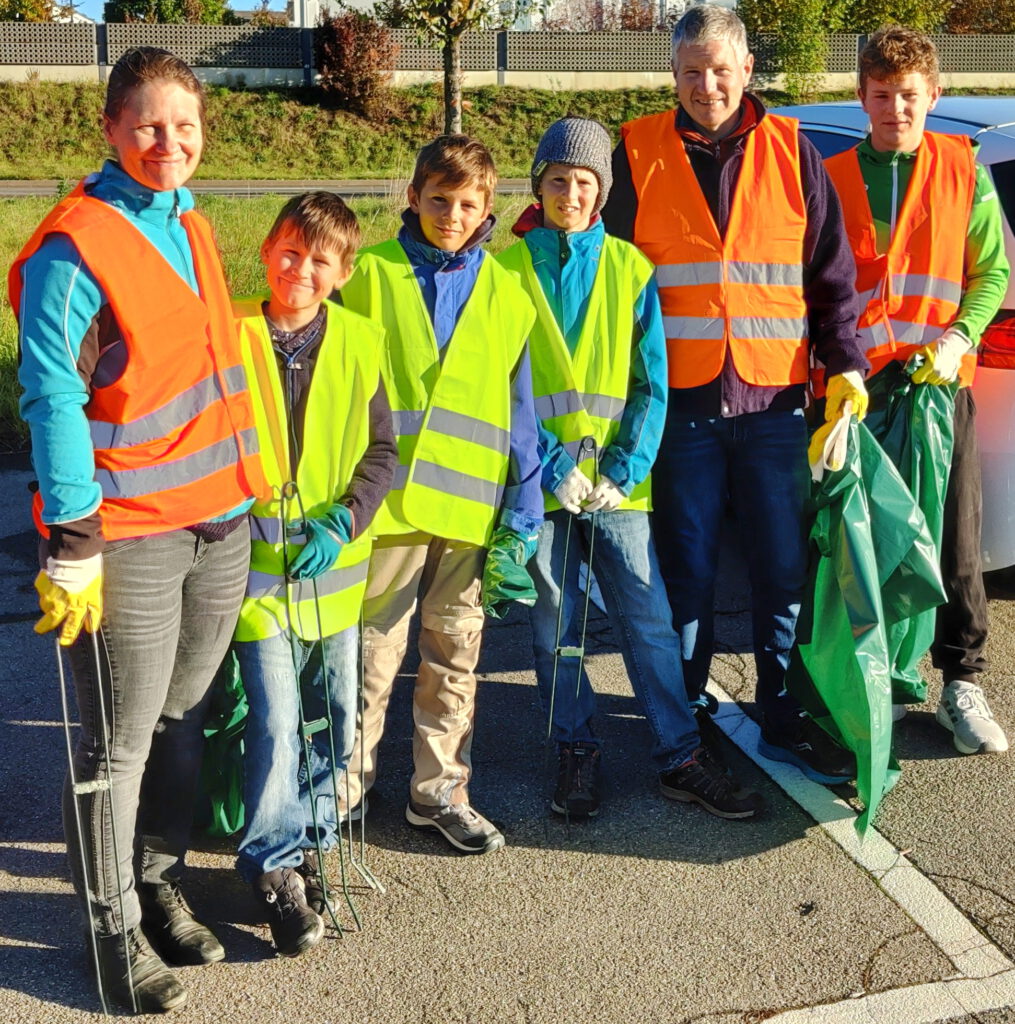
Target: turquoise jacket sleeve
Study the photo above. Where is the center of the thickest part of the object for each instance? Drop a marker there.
(628, 460)
(60, 298)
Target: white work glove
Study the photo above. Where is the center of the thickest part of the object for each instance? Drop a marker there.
(573, 490)
(605, 496)
(942, 358)
(828, 446)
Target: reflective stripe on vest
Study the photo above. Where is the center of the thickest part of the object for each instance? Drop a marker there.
(744, 291)
(583, 394)
(910, 294)
(173, 430)
(346, 375)
(451, 415)
(172, 416)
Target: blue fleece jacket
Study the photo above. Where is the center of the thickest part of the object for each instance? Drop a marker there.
(59, 302)
(566, 264)
(446, 280)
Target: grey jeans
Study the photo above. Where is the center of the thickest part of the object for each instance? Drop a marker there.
(170, 608)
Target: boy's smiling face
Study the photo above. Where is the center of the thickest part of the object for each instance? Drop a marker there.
(449, 215)
(898, 110)
(300, 276)
(568, 195)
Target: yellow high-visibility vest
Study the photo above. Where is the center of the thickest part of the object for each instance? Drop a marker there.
(336, 433)
(452, 418)
(584, 394)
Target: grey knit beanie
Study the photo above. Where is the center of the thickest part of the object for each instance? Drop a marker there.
(580, 142)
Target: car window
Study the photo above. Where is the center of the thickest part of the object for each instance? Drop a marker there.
(829, 143)
(1004, 180)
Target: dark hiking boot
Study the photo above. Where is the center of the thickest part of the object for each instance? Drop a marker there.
(313, 882)
(156, 988)
(710, 734)
(805, 745)
(172, 929)
(702, 780)
(295, 928)
(577, 792)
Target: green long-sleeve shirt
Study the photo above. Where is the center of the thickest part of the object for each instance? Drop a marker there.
(887, 176)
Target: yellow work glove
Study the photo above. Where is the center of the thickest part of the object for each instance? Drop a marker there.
(942, 358)
(846, 387)
(70, 596)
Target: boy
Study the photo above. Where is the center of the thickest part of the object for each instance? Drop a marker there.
(324, 426)
(468, 476)
(925, 227)
(598, 344)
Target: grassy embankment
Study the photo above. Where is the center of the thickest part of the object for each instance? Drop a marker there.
(50, 130)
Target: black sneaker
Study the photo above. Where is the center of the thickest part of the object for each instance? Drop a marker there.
(156, 988)
(577, 792)
(313, 882)
(702, 780)
(171, 927)
(295, 928)
(807, 746)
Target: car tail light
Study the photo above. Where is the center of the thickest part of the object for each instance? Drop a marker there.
(997, 347)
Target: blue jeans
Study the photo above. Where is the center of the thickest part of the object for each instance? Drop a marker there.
(276, 792)
(170, 603)
(625, 565)
(757, 462)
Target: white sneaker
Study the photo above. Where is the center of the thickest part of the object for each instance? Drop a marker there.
(964, 712)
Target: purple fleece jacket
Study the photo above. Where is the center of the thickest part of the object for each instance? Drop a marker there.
(829, 268)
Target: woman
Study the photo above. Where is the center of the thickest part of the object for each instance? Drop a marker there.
(143, 443)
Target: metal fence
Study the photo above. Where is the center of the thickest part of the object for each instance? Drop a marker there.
(245, 46)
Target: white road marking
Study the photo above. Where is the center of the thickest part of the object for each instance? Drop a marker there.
(985, 975)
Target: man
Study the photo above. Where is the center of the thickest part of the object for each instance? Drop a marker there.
(924, 222)
(755, 275)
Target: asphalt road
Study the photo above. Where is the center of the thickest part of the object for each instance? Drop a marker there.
(654, 912)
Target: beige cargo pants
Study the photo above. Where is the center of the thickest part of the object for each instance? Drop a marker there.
(445, 578)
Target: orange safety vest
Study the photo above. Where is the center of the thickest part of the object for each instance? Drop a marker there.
(910, 294)
(744, 291)
(174, 435)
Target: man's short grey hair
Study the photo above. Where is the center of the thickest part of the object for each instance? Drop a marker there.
(705, 22)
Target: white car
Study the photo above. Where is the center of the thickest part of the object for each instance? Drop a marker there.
(990, 120)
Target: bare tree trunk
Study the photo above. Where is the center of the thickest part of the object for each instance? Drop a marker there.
(452, 84)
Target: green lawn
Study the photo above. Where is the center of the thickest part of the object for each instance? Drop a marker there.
(240, 226)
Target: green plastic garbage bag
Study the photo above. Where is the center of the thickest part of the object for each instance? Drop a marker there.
(222, 767)
(913, 424)
(871, 561)
(505, 578)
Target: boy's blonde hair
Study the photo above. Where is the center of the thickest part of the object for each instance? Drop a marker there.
(323, 221)
(895, 51)
(458, 160)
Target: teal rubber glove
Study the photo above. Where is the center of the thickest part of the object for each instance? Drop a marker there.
(325, 536)
(505, 578)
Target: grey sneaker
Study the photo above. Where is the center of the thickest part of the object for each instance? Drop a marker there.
(965, 713)
(464, 828)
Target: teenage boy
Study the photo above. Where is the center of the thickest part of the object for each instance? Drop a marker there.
(468, 477)
(925, 227)
(599, 370)
(310, 546)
